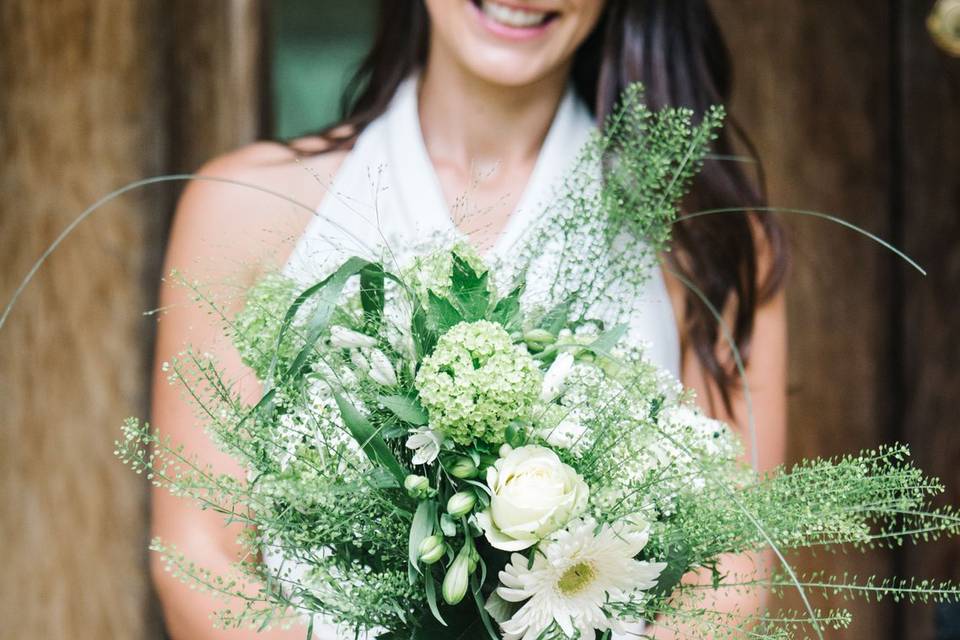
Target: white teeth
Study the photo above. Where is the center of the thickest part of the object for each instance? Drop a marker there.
(512, 17)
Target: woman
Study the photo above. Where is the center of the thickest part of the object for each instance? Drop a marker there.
(453, 89)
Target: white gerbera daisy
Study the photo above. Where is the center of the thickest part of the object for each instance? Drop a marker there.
(573, 576)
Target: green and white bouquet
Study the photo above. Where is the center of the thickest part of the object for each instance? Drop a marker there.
(440, 453)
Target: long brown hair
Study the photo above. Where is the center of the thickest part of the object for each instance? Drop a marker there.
(675, 48)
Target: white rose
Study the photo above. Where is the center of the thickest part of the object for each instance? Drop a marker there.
(533, 494)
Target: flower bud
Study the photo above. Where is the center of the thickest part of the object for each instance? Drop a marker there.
(554, 380)
(473, 559)
(461, 503)
(359, 361)
(455, 582)
(417, 486)
(463, 467)
(432, 548)
(505, 450)
(343, 338)
(538, 339)
(381, 371)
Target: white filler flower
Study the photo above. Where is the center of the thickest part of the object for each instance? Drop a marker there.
(573, 576)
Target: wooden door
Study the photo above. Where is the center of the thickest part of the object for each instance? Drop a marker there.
(855, 112)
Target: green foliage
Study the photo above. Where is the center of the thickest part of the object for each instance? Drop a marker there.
(328, 447)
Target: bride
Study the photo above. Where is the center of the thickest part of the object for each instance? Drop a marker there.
(477, 107)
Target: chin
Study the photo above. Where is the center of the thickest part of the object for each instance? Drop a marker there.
(513, 42)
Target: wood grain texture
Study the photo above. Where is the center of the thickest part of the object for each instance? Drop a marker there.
(216, 81)
(812, 87)
(929, 94)
(78, 117)
(95, 94)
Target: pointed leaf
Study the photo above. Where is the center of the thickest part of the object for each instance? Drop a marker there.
(407, 409)
(555, 319)
(507, 311)
(420, 528)
(470, 290)
(369, 439)
(442, 315)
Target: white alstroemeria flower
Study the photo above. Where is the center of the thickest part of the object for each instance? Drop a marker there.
(533, 493)
(426, 444)
(381, 370)
(556, 376)
(344, 338)
(574, 576)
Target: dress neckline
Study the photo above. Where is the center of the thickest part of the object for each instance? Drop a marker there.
(418, 186)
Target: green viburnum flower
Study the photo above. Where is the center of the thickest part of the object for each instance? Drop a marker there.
(256, 326)
(476, 382)
(433, 271)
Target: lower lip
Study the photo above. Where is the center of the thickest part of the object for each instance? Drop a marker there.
(509, 33)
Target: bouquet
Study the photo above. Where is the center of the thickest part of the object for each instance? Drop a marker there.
(447, 447)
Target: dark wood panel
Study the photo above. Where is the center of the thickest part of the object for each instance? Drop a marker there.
(930, 102)
(812, 88)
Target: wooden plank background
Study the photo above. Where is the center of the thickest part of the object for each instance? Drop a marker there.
(823, 139)
(852, 108)
(927, 210)
(94, 94)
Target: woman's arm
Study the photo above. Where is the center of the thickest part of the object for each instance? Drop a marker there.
(767, 382)
(222, 236)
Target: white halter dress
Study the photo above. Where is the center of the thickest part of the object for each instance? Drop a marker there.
(386, 193)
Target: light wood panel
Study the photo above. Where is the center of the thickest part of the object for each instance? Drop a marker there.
(95, 94)
(78, 117)
(216, 78)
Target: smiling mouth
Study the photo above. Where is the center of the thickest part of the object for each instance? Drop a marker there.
(513, 17)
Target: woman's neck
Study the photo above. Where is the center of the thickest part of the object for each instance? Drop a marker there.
(469, 123)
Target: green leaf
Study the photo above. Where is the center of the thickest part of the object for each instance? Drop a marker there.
(369, 439)
(442, 315)
(327, 292)
(420, 528)
(469, 290)
(507, 311)
(447, 525)
(678, 563)
(555, 319)
(484, 616)
(424, 339)
(431, 591)
(606, 341)
(405, 408)
(372, 296)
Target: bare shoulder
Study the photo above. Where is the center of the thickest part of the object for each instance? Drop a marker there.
(248, 206)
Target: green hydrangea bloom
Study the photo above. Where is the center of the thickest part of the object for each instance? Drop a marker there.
(256, 326)
(433, 271)
(476, 382)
